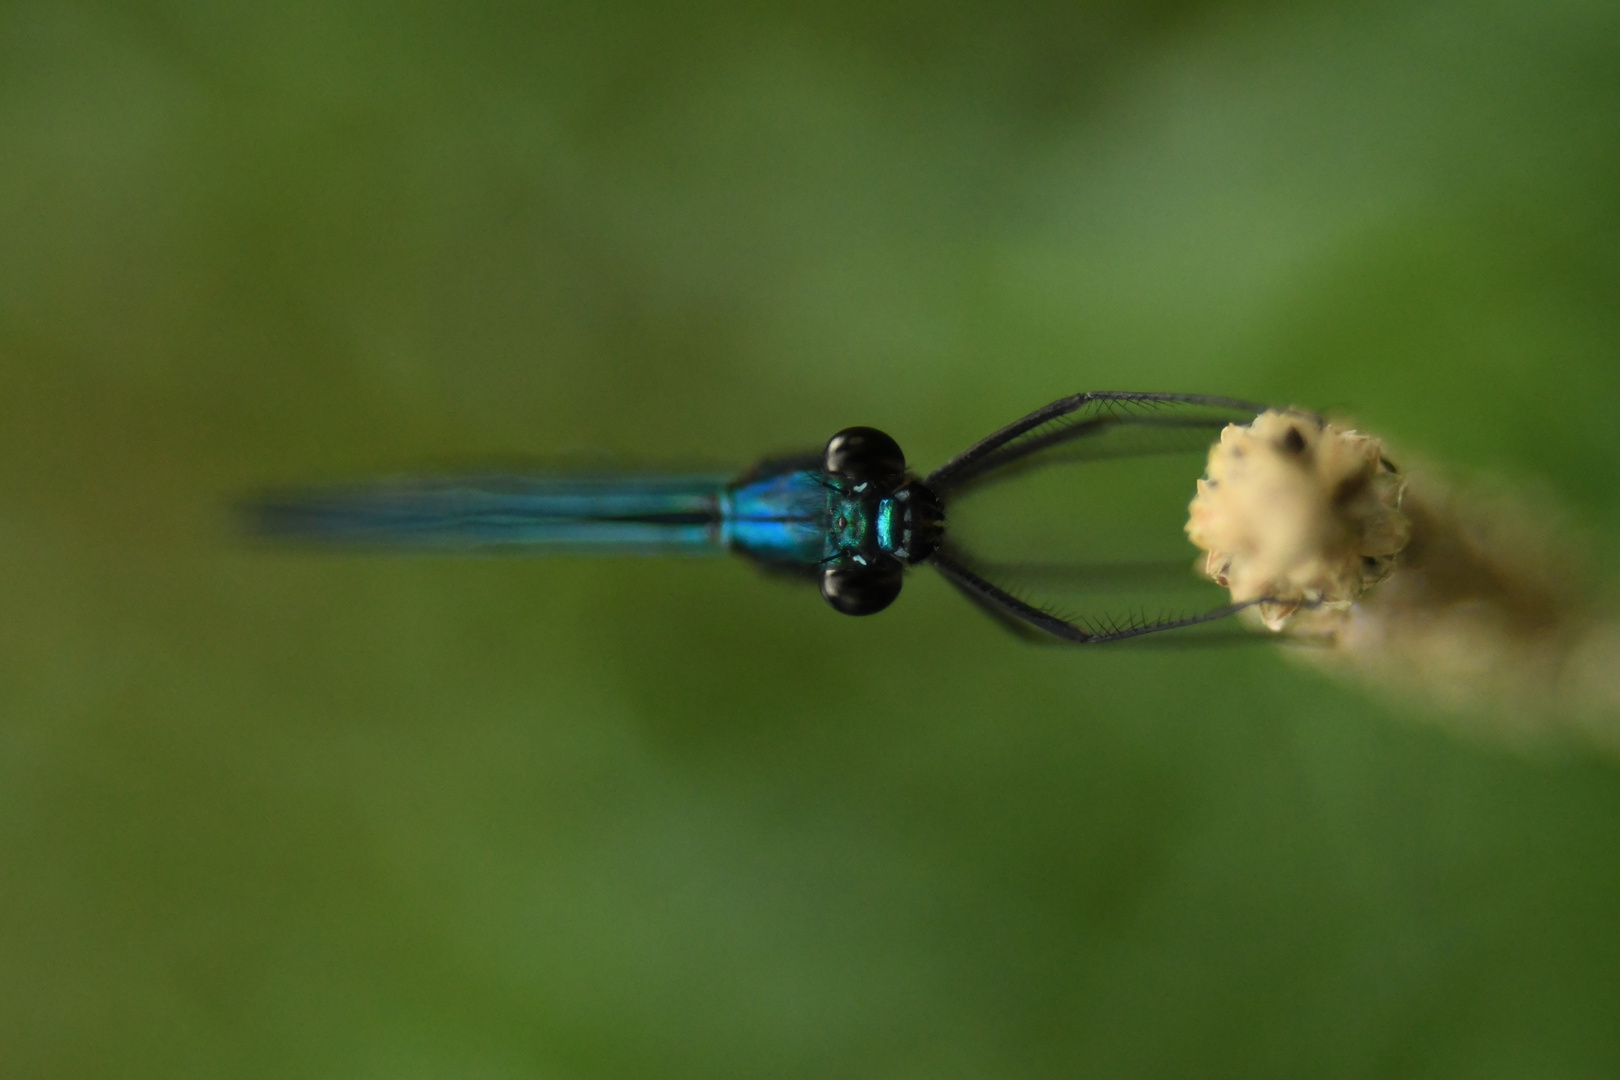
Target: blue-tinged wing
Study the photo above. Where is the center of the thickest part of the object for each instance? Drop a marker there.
(610, 514)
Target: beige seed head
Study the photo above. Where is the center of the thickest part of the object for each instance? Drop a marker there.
(1477, 605)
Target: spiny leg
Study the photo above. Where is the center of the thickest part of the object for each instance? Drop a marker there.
(995, 599)
(995, 450)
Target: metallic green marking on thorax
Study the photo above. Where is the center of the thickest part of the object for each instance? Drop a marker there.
(864, 526)
(850, 512)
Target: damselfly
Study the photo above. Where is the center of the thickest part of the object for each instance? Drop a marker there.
(852, 518)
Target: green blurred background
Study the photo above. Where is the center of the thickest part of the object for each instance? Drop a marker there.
(268, 814)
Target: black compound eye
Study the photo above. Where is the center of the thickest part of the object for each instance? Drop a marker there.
(861, 590)
(863, 453)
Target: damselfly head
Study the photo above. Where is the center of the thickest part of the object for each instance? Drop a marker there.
(863, 455)
(872, 539)
(862, 586)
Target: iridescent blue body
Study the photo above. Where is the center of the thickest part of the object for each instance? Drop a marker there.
(851, 517)
(785, 517)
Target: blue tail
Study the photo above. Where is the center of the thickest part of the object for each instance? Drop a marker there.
(607, 514)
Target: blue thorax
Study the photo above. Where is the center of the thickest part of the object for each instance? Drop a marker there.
(807, 517)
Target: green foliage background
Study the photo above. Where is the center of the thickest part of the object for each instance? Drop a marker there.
(272, 815)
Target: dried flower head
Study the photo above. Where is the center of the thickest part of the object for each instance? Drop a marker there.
(1298, 512)
(1478, 604)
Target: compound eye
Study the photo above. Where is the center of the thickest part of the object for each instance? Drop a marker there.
(861, 590)
(863, 453)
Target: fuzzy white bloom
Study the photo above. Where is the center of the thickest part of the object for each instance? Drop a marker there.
(1476, 604)
(1299, 512)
